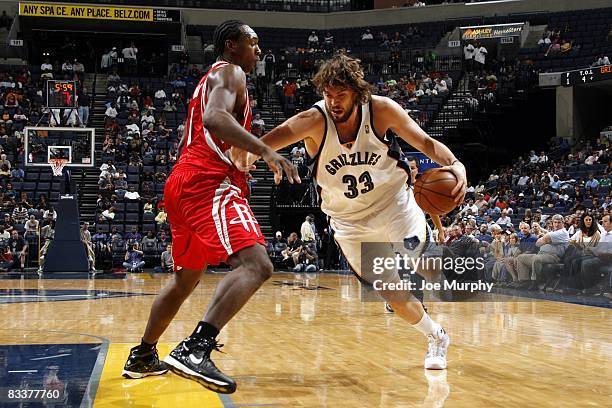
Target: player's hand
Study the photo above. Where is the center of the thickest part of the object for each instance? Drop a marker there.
(441, 236)
(279, 165)
(458, 193)
(242, 159)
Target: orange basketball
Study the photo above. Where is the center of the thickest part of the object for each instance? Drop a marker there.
(432, 191)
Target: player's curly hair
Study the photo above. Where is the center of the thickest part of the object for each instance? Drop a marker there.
(227, 30)
(342, 70)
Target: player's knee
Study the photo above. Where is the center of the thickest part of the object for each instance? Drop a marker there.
(265, 269)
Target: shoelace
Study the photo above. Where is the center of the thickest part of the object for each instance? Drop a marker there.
(208, 345)
(435, 346)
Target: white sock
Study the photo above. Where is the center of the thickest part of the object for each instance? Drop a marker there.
(427, 326)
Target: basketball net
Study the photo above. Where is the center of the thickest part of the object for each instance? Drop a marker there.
(57, 166)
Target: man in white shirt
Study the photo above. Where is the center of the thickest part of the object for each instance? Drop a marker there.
(111, 112)
(468, 53)
(367, 36)
(160, 94)
(306, 231)
(441, 86)
(533, 157)
(313, 40)
(147, 118)
(67, 67)
(129, 54)
(480, 56)
(552, 247)
(131, 194)
(46, 69)
(504, 220)
(523, 180)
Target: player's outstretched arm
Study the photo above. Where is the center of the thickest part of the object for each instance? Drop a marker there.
(226, 86)
(396, 119)
(308, 125)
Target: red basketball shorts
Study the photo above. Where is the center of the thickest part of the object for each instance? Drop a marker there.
(210, 220)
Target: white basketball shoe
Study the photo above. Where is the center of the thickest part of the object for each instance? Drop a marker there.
(435, 359)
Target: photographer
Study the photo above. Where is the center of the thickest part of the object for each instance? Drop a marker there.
(133, 258)
(307, 260)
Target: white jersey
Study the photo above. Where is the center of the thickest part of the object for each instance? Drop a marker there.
(360, 178)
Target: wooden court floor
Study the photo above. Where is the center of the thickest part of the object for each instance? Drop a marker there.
(293, 347)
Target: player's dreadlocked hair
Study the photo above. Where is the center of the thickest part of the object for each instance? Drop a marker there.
(342, 70)
(227, 30)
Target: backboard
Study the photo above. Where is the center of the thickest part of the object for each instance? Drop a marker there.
(45, 143)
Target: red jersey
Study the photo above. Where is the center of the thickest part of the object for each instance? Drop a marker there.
(202, 150)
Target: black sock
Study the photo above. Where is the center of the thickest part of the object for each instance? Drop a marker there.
(205, 331)
(144, 346)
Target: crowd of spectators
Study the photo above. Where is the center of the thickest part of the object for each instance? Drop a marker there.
(539, 221)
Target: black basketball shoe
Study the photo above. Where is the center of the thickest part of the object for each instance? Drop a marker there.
(191, 359)
(142, 364)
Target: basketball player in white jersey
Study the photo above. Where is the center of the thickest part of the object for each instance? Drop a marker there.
(362, 182)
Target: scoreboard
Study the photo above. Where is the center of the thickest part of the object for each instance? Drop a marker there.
(586, 75)
(61, 94)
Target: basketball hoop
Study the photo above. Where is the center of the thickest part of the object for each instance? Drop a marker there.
(57, 166)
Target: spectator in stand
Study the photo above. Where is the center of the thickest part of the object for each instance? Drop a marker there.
(149, 241)
(367, 36)
(468, 53)
(78, 68)
(6, 258)
(313, 40)
(552, 247)
(83, 102)
(19, 250)
(328, 41)
(162, 216)
(20, 213)
(258, 126)
(441, 87)
(132, 194)
(4, 160)
(597, 257)
(31, 228)
(109, 214)
(527, 240)
(67, 68)
(600, 61)
(133, 235)
(504, 221)
(592, 182)
(46, 69)
(5, 20)
(167, 261)
(111, 112)
(130, 55)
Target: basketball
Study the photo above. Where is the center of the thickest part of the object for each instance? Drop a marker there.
(432, 191)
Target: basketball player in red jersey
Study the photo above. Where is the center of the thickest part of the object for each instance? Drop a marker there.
(209, 215)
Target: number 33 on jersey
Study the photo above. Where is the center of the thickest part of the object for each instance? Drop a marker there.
(356, 179)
